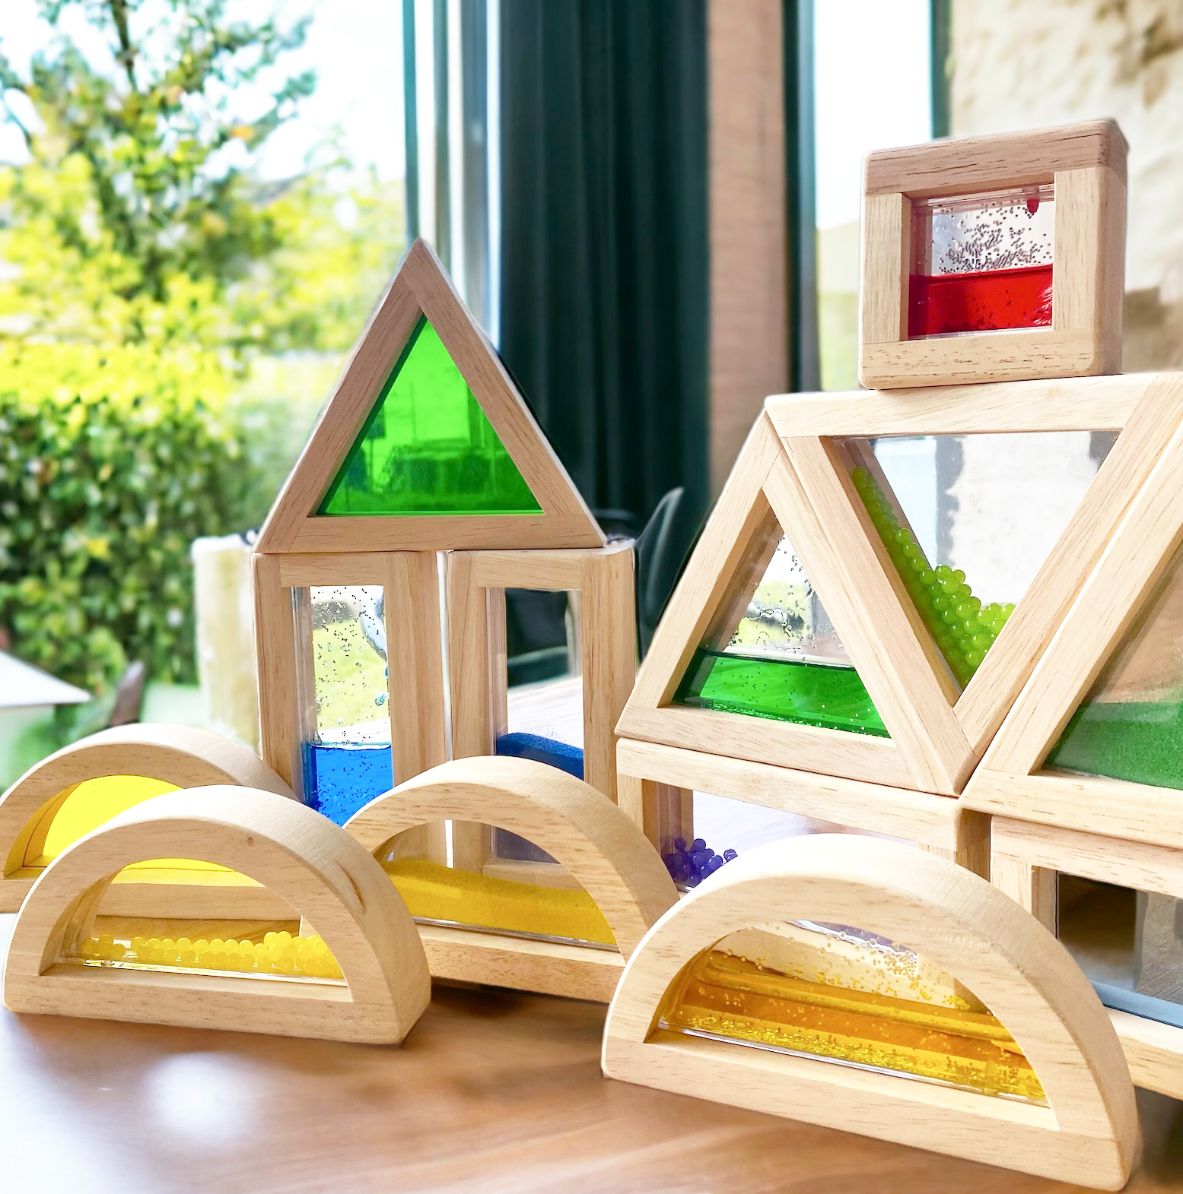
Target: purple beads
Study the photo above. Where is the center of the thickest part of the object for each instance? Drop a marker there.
(689, 865)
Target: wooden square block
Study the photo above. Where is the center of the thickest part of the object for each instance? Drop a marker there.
(958, 258)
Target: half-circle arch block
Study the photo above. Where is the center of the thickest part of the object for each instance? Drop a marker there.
(582, 829)
(1086, 1133)
(309, 863)
(149, 760)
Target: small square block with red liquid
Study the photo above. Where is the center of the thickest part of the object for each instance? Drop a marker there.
(981, 263)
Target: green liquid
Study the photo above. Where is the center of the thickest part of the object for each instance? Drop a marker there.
(428, 447)
(810, 694)
(1137, 741)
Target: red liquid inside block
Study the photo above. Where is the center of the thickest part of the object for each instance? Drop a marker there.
(986, 301)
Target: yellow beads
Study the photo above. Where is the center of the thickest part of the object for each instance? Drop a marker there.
(277, 953)
(963, 627)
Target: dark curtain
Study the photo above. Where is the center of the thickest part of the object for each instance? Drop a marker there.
(604, 282)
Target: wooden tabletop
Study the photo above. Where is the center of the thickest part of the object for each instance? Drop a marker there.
(492, 1091)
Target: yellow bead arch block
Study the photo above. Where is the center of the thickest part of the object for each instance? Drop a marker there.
(58, 963)
(83, 786)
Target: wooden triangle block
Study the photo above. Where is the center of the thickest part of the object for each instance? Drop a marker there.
(799, 463)
(1123, 636)
(556, 516)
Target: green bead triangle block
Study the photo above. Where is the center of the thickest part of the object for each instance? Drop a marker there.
(427, 447)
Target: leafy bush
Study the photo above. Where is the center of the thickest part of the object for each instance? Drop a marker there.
(111, 461)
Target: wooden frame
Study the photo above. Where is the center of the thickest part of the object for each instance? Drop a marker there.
(183, 756)
(934, 823)
(796, 467)
(310, 864)
(477, 581)
(584, 831)
(1025, 859)
(422, 289)
(415, 669)
(1087, 1133)
(1010, 780)
(1087, 164)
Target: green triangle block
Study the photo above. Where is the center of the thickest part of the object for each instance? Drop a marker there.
(427, 447)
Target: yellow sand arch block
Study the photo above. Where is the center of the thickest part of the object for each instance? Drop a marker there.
(84, 785)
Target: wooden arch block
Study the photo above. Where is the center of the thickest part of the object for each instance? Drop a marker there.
(581, 828)
(1087, 1132)
(310, 864)
(177, 757)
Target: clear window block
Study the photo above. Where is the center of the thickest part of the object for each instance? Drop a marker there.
(347, 754)
(981, 263)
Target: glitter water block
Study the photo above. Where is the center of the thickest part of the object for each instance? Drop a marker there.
(727, 997)
(981, 263)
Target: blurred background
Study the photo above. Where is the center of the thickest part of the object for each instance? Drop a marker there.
(652, 207)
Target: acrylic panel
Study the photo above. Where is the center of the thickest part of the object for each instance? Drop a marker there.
(229, 948)
(773, 652)
(1129, 943)
(1130, 726)
(981, 263)
(557, 909)
(968, 521)
(427, 447)
(347, 754)
(840, 995)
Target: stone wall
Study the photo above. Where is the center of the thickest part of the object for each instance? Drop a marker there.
(1026, 63)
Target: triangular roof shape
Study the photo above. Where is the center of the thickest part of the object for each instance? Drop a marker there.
(426, 443)
(1112, 675)
(1088, 1130)
(797, 465)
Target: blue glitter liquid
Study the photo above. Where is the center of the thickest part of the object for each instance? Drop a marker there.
(341, 777)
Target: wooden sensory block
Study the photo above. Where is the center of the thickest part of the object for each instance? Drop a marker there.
(963, 279)
(1084, 1128)
(477, 581)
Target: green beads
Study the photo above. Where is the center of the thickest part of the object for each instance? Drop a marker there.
(962, 626)
(277, 953)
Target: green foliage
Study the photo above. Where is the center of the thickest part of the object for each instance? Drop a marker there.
(111, 461)
(150, 281)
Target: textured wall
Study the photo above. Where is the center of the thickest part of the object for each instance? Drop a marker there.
(1025, 63)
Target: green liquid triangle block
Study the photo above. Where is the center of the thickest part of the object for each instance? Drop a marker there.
(783, 659)
(427, 447)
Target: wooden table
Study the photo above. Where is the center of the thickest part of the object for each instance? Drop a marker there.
(492, 1091)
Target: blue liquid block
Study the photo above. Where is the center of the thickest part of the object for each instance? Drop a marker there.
(339, 778)
(542, 750)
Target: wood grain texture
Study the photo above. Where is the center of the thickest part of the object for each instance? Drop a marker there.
(883, 279)
(1087, 1133)
(494, 1090)
(421, 289)
(877, 621)
(415, 677)
(311, 864)
(964, 165)
(281, 707)
(1045, 404)
(184, 756)
(920, 817)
